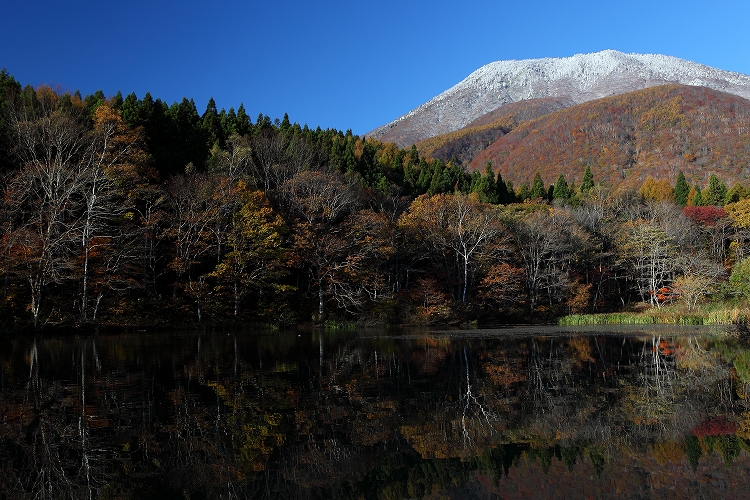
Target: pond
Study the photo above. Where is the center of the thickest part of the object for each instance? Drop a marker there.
(533, 412)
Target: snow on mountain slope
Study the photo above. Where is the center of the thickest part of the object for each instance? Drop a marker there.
(581, 78)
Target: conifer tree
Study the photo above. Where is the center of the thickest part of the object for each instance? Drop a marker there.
(242, 123)
(485, 185)
(588, 181)
(561, 191)
(537, 187)
(697, 200)
(502, 190)
(716, 193)
(212, 126)
(523, 193)
(510, 191)
(681, 190)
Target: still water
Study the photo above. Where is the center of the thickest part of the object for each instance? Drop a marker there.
(537, 412)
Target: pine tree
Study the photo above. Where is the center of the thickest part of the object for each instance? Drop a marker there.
(502, 190)
(510, 191)
(588, 181)
(212, 126)
(561, 191)
(697, 200)
(523, 193)
(716, 193)
(485, 185)
(242, 123)
(117, 101)
(681, 190)
(537, 187)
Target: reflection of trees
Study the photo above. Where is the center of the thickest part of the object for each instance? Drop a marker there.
(280, 416)
(560, 405)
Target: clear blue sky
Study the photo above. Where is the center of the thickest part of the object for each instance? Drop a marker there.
(341, 65)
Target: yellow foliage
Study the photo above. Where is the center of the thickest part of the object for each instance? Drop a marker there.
(656, 190)
(669, 451)
(739, 213)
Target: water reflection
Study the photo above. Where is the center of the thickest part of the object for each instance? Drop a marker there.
(540, 413)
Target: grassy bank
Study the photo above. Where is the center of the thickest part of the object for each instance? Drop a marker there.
(711, 314)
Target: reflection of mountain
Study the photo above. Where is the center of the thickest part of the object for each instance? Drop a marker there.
(314, 415)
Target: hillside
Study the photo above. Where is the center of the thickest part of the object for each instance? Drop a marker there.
(580, 78)
(656, 131)
(464, 144)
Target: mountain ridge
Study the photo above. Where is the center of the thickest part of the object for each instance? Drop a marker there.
(581, 78)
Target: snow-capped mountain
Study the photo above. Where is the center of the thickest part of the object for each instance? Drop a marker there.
(580, 78)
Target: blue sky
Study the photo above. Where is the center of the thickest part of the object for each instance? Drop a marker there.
(336, 64)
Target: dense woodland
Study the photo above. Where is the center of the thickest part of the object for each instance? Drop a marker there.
(129, 211)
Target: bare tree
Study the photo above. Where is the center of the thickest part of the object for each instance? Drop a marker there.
(319, 202)
(45, 196)
(651, 255)
(457, 229)
(548, 240)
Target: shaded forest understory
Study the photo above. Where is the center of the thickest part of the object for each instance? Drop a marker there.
(127, 211)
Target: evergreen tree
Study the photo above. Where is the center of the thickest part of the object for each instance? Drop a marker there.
(212, 126)
(523, 193)
(117, 101)
(537, 187)
(697, 200)
(242, 124)
(502, 190)
(485, 185)
(716, 193)
(681, 190)
(90, 105)
(510, 191)
(587, 184)
(131, 109)
(285, 125)
(561, 191)
(9, 89)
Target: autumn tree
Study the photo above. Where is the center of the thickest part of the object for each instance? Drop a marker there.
(651, 255)
(699, 277)
(318, 203)
(459, 233)
(548, 240)
(103, 230)
(194, 209)
(256, 255)
(64, 198)
(654, 190)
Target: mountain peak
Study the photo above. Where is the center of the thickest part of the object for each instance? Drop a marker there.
(579, 78)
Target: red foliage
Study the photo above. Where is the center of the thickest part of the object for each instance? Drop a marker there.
(667, 349)
(706, 216)
(717, 426)
(665, 294)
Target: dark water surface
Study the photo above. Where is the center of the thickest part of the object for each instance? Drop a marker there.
(537, 412)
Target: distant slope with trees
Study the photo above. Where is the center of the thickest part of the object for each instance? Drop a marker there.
(623, 139)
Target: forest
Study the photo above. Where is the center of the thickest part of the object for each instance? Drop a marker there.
(129, 211)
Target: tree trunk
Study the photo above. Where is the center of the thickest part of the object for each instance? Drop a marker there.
(321, 304)
(84, 294)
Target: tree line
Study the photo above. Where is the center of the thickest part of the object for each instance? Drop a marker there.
(128, 211)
